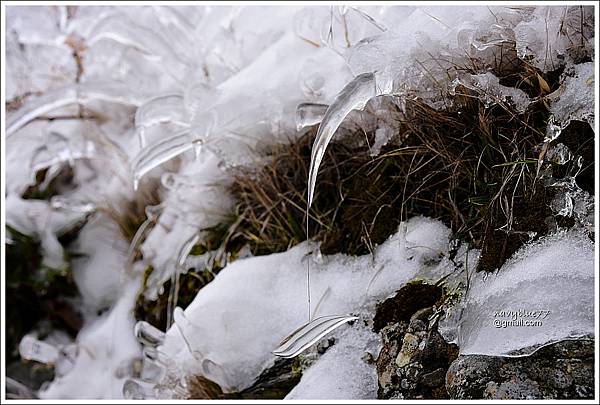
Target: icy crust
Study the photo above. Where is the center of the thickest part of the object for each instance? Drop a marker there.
(545, 293)
(239, 318)
(420, 57)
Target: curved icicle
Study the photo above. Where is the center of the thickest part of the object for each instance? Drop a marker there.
(122, 29)
(42, 105)
(137, 239)
(78, 93)
(161, 109)
(353, 96)
(305, 336)
(154, 155)
(185, 250)
(148, 335)
(58, 150)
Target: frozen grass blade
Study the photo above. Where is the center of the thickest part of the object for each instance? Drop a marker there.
(121, 29)
(168, 108)
(309, 334)
(148, 335)
(79, 93)
(154, 155)
(353, 96)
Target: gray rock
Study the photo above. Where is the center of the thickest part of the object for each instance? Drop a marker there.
(563, 370)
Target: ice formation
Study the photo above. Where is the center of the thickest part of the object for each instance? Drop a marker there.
(544, 294)
(575, 98)
(184, 94)
(233, 330)
(343, 371)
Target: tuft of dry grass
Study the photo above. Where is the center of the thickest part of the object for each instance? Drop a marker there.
(472, 165)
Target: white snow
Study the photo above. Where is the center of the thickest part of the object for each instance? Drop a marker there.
(106, 351)
(551, 283)
(99, 269)
(240, 317)
(343, 372)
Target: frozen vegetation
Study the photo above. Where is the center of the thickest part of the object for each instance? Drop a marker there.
(125, 127)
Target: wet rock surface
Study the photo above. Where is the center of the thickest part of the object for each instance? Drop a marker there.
(563, 370)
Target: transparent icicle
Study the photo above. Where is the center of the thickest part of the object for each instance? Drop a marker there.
(148, 335)
(78, 93)
(353, 96)
(184, 252)
(154, 155)
(309, 334)
(167, 108)
(152, 213)
(138, 389)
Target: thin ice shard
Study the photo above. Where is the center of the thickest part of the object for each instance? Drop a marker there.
(310, 333)
(309, 114)
(167, 108)
(148, 335)
(185, 250)
(353, 96)
(152, 213)
(79, 93)
(154, 155)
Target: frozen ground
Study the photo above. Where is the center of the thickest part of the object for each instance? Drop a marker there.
(182, 95)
